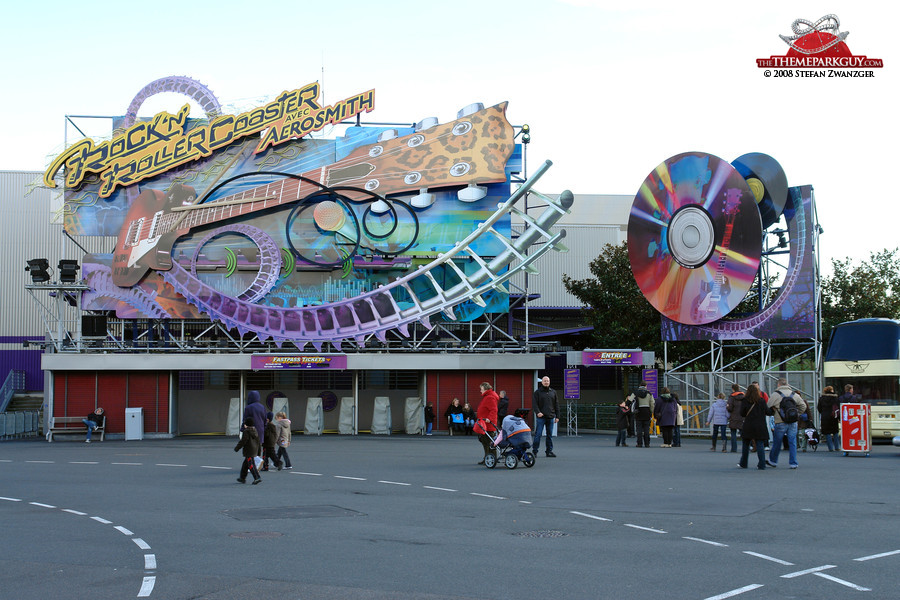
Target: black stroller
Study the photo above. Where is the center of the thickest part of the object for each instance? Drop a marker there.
(812, 438)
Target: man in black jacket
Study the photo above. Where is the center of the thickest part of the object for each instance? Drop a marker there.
(642, 407)
(546, 413)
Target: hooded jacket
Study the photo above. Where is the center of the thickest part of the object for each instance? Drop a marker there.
(643, 405)
(255, 410)
(666, 410)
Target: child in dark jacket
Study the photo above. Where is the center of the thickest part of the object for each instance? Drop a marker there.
(622, 418)
(270, 439)
(249, 442)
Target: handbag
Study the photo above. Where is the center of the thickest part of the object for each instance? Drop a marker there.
(457, 418)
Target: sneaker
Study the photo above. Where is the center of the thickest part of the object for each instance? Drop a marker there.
(740, 466)
(241, 480)
(255, 481)
(87, 441)
(551, 455)
(771, 465)
(279, 468)
(289, 467)
(793, 466)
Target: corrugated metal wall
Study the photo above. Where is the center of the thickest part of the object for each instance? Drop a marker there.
(29, 228)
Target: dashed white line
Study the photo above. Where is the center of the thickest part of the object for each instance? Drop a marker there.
(858, 588)
(770, 558)
(141, 543)
(127, 463)
(169, 465)
(711, 543)
(121, 529)
(5, 460)
(149, 562)
(74, 512)
(351, 478)
(304, 473)
(101, 520)
(524, 502)
(581, 514)
(41, 505)
(147, 587)
(43, 462)
(394, 483)
(440, 489)
(487, 496)
(746, 588)
(210, 467)
(650, 529)
(807, 571)
(83, 462)
(874, 556)
(10, 499)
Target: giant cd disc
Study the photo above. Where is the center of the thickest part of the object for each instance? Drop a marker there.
(694, 238)
(767, 180)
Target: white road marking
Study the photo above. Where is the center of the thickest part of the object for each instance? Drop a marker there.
(858, 588)
(581, 514)
(150, 562)
(121, 463)
(44, 462)
(83, 462)
(209, 467)
(874, 556)
(10, 499)
(746, 588)
(644, 528)
(5, 460)
(302, 473)
(147, 586)
(394, 483)
(74, 512)
(774, 560)
(440, 489)
(101, 520)
(352, 478)
(487, 496)
(693, 539)
(41, 505)
(168, 465)
(524, 502)
(123, 530)
(807, 571)
(141, 543)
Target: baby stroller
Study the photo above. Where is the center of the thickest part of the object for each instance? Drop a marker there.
(512, 448)
(812, 438)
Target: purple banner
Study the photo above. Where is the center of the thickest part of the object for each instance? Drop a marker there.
(650, 377)
(572, 379)
(612, 357)
(259, 362)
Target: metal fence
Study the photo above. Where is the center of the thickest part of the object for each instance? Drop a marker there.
(602, 417)
(20, 424)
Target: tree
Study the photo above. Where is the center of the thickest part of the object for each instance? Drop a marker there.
(868, 290)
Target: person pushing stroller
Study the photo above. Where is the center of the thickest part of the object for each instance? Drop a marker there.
(515, 431)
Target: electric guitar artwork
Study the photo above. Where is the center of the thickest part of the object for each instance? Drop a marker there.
(706, 306)
(470, 150)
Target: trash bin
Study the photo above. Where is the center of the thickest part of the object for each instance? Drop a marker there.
(134, 423)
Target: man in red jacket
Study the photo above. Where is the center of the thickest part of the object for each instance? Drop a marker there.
(487, 409)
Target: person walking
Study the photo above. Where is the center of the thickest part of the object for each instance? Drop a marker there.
(780, 402)
(622, 415)
(487, 417)
(829, 407)
(270, 440)
(546, 414)
(679, 421)
(284, 438)
(735, 420)
(665, 413)
(256, 411)
(718, 416)
(249, 443)
(642, 405)
(753, 429)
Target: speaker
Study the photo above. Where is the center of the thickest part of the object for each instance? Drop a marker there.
(93, 325)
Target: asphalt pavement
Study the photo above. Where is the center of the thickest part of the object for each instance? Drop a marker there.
(413, 517)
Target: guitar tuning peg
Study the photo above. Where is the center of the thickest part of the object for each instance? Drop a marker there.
(387, 134)
(472, 193)
(423, 199)
(426, 123)
(379, 207)
(468, 110)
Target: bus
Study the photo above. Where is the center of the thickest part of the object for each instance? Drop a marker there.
(866, 354)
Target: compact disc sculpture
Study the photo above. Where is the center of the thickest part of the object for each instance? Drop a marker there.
(695, 232)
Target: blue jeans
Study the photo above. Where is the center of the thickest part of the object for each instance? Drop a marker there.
(719, 429)
(760, 453)
(90, 426)
(781, 430)
(539, 424)
(832, 440)
(428, 428)
(620, 438)
(676, 439)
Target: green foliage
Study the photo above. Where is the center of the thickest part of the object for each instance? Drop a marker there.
(870, 289)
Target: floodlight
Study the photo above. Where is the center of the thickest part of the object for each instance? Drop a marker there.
(37, 267)
(68, 270)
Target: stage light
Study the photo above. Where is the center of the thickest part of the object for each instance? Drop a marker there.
(526, 134)
(68, 270)
(38, 269)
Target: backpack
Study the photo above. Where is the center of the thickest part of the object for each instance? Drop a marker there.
(787, 408)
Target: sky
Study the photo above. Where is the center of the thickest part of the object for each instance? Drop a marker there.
(608, 92)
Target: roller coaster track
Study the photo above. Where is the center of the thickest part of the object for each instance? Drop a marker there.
(376, 312)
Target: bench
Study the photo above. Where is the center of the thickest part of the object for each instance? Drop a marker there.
(72, 425)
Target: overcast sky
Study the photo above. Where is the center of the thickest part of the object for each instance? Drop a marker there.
(608, 92)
